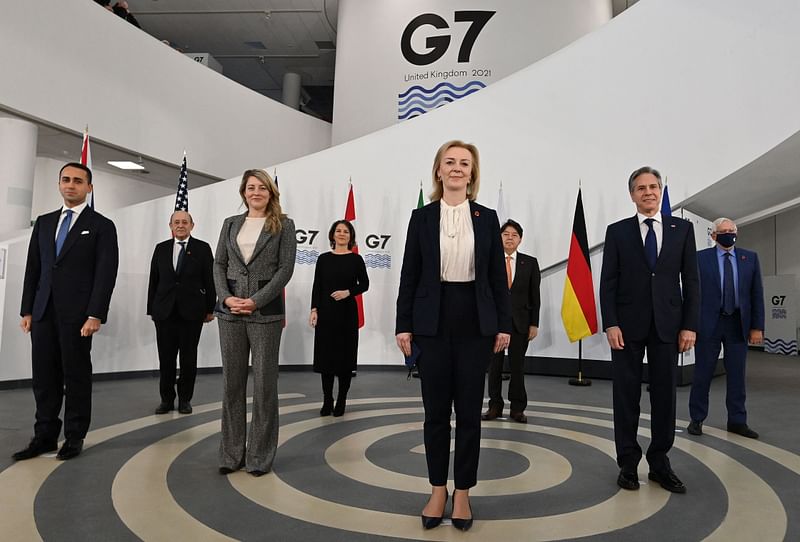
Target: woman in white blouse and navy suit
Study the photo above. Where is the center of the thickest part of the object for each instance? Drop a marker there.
(453, 303)
(254, 261)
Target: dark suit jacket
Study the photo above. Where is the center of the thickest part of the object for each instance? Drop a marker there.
(525, 294)
(420, 283)
(192, 292)
(80, 281)
(751, 291)
(631, 296)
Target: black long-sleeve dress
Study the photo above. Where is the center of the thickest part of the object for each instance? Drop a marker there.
(336, 336)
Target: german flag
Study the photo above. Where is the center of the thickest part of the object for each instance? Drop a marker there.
(578, 309)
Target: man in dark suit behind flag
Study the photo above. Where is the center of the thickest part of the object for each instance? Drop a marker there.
(180, 297)
(650, 300)
(69, 277)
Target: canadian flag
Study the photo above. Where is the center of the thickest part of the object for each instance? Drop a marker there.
(350, 214)
(86, 160)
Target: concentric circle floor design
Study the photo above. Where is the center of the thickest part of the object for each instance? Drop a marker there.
(363, 477)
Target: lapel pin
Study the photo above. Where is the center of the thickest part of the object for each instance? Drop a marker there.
(672, 225)
(477, 213)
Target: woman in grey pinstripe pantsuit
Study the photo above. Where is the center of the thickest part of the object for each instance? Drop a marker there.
(254, 261)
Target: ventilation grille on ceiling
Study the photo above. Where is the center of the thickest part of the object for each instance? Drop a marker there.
(326, 45)
(256, 45)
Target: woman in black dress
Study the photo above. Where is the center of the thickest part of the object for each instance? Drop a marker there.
(340, 275)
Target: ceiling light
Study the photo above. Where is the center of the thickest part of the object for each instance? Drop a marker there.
(125, 164)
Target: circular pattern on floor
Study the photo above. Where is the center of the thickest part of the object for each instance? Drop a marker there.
(364, 473)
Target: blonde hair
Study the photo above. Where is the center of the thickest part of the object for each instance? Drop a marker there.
(274, 212)
(475, 178)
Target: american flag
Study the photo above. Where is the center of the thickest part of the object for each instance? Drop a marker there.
(182, 197)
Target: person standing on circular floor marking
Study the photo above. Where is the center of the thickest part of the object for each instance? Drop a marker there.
(254, 262)
(339, 276)
(453, 304)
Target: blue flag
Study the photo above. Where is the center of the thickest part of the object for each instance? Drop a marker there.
(666, 208)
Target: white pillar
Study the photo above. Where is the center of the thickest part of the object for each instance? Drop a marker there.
(291, 90)
(18, 140)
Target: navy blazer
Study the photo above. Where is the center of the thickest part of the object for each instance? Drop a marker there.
(420, 278)
(81, 279)
(632, 296)
(751, 291)
(525, 293)
(192, 291)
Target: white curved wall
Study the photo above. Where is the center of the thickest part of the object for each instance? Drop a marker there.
(72, 63)
(696, 89)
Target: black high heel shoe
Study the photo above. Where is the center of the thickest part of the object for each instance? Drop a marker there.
(327, 407)
(429, 522)
(460, 523)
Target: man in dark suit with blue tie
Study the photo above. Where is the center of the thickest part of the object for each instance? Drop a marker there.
(69, 277)
(731, 314)
(649, 298)
(180, 297)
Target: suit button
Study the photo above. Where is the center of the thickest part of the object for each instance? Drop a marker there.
(244, 273)
(652, 274)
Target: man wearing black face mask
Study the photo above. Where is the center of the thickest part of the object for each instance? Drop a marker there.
(731, 314)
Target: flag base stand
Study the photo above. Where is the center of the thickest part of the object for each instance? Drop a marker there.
(580, 381)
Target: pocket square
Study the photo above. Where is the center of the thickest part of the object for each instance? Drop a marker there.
(85, 232)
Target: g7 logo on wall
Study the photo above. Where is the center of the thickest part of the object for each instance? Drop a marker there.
(438, 45)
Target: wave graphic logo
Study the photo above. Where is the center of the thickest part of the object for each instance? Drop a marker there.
(780, 346)
(418, 100)
(378, 261)
(306, 257)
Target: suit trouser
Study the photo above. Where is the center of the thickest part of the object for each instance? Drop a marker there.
(517, 395)
(727, 332)
(662, 360)
(62, 366)
(175, 335)
(238, 341)
(452, 369)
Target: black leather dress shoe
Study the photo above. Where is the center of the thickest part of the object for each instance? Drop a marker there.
(257, 473)
(164, 407)
(695, 428)
(36, 447)
(742, 429)
(71, 448)
(429, 522)
(185, 407)
(492, 413)
(667, 479)
(628, 479)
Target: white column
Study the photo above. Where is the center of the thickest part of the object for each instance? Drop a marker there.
(18, 140)
(291, 90)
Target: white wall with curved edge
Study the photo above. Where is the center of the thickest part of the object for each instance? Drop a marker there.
(72, 63)
(696, 89)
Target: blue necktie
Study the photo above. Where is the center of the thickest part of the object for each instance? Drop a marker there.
(728, 293)
(650, 245)
(181, 256)
(63, 231)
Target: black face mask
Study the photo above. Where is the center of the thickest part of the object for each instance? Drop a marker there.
(727, 240)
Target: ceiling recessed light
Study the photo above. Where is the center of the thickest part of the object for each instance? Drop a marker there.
(125, 164)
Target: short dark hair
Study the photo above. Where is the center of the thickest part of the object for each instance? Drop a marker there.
(641, 171)
(352, 242)
(512, 224)
(76, 165)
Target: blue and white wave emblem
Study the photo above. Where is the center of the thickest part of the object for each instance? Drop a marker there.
(418, 100)
(378, 261)
(780, 346)
(306, 257)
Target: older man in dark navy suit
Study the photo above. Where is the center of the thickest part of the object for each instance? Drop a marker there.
(731, 314)
(649, 298)
(69, 277)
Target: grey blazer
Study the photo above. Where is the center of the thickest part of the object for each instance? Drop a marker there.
(262, 279)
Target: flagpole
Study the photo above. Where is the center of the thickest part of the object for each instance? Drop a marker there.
(580, 381)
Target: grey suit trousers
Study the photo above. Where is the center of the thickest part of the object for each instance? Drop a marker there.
(238, 341)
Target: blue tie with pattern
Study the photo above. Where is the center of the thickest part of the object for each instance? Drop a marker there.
(728, 292)
(650, 245)
(63, 231)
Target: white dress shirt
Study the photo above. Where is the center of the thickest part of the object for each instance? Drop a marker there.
(658, 228)
(76, 211)
(456, 243)
(176, 250)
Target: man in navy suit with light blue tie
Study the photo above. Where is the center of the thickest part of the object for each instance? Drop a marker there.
(69, 277)
(731, 314)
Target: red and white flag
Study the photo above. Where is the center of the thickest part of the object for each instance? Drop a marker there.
(86, 160)
(350, 215)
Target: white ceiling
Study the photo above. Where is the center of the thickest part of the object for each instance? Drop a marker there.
(284, 35)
